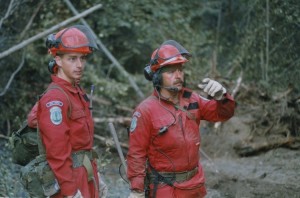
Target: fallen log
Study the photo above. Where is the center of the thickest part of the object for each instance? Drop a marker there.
(247, 149)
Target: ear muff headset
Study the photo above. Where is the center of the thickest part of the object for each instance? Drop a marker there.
(52, 42)
(148, 73)
(157, 79)
(51, 66)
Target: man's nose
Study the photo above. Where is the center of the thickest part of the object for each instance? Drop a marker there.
(79, 62)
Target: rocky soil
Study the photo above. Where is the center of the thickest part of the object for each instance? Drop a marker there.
(271, 173)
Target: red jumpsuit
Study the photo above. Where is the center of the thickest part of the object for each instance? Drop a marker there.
(177, 149)
(63, 134)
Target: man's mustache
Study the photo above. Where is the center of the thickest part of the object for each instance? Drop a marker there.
(178, 81)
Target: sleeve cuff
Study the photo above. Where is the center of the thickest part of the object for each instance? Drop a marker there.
(68, 189)
(137, 184)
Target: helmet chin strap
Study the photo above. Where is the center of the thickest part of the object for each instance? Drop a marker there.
(172, 94)
(170, 88)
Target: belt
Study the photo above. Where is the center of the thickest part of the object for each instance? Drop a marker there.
(177, 176)
(84, 158)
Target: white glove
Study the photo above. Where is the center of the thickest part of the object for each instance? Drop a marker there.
(135, 194)
(78, 194)
(102, 187)
(212, 88)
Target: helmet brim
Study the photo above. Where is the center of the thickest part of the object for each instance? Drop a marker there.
(175, 60)
(171, 61)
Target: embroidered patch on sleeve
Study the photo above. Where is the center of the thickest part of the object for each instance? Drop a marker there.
(133, 124)
(55, 115)
(54, 103)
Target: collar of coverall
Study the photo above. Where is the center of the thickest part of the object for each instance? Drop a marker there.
(184, 95)
(66, 84)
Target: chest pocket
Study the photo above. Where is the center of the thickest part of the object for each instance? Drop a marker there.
(171, 140)
(162, 120)
(193, 111)
(79, 129)
(77, 113)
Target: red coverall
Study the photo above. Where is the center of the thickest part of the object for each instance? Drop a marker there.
(176, 150)
(63, 136)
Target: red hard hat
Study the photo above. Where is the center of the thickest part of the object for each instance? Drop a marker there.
(169, 53)
(72, 39)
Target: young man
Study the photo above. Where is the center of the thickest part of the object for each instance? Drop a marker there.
(64, 118)
(164, 141)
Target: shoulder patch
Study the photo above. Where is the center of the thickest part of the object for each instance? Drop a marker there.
(133, 123)
(55, 115)
(54, 103)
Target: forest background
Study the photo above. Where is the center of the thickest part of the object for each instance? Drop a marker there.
(251, 47)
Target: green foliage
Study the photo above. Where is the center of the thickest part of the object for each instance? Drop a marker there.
(235, 31)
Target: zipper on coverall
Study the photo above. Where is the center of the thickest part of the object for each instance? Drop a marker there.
(183, 133)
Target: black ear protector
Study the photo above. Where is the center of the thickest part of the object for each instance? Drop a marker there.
(157, 79)
(154, 61)
(148, 73)
(51, 66)
(51, 41)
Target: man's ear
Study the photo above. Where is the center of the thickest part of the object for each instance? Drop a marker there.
(58, 61)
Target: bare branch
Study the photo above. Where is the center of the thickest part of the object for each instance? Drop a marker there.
(48, 31)
(267, 39)
(238, 84)
(279, 43)
(4, 137)
(13, 75)
(8, 12)
(31, 19)
(107, 52)
(234, 92)
(109, 141)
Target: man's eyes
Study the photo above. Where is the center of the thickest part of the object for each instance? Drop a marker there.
(83, 58)
(174, 70)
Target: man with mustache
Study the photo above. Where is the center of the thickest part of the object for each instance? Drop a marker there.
(63, 116)
(164, 140)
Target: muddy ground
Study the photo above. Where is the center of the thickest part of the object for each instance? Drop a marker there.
(272, 173)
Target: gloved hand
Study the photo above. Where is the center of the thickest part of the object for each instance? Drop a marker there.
(77, 195)
(212, 88)
(135, 194)
(102, 187)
